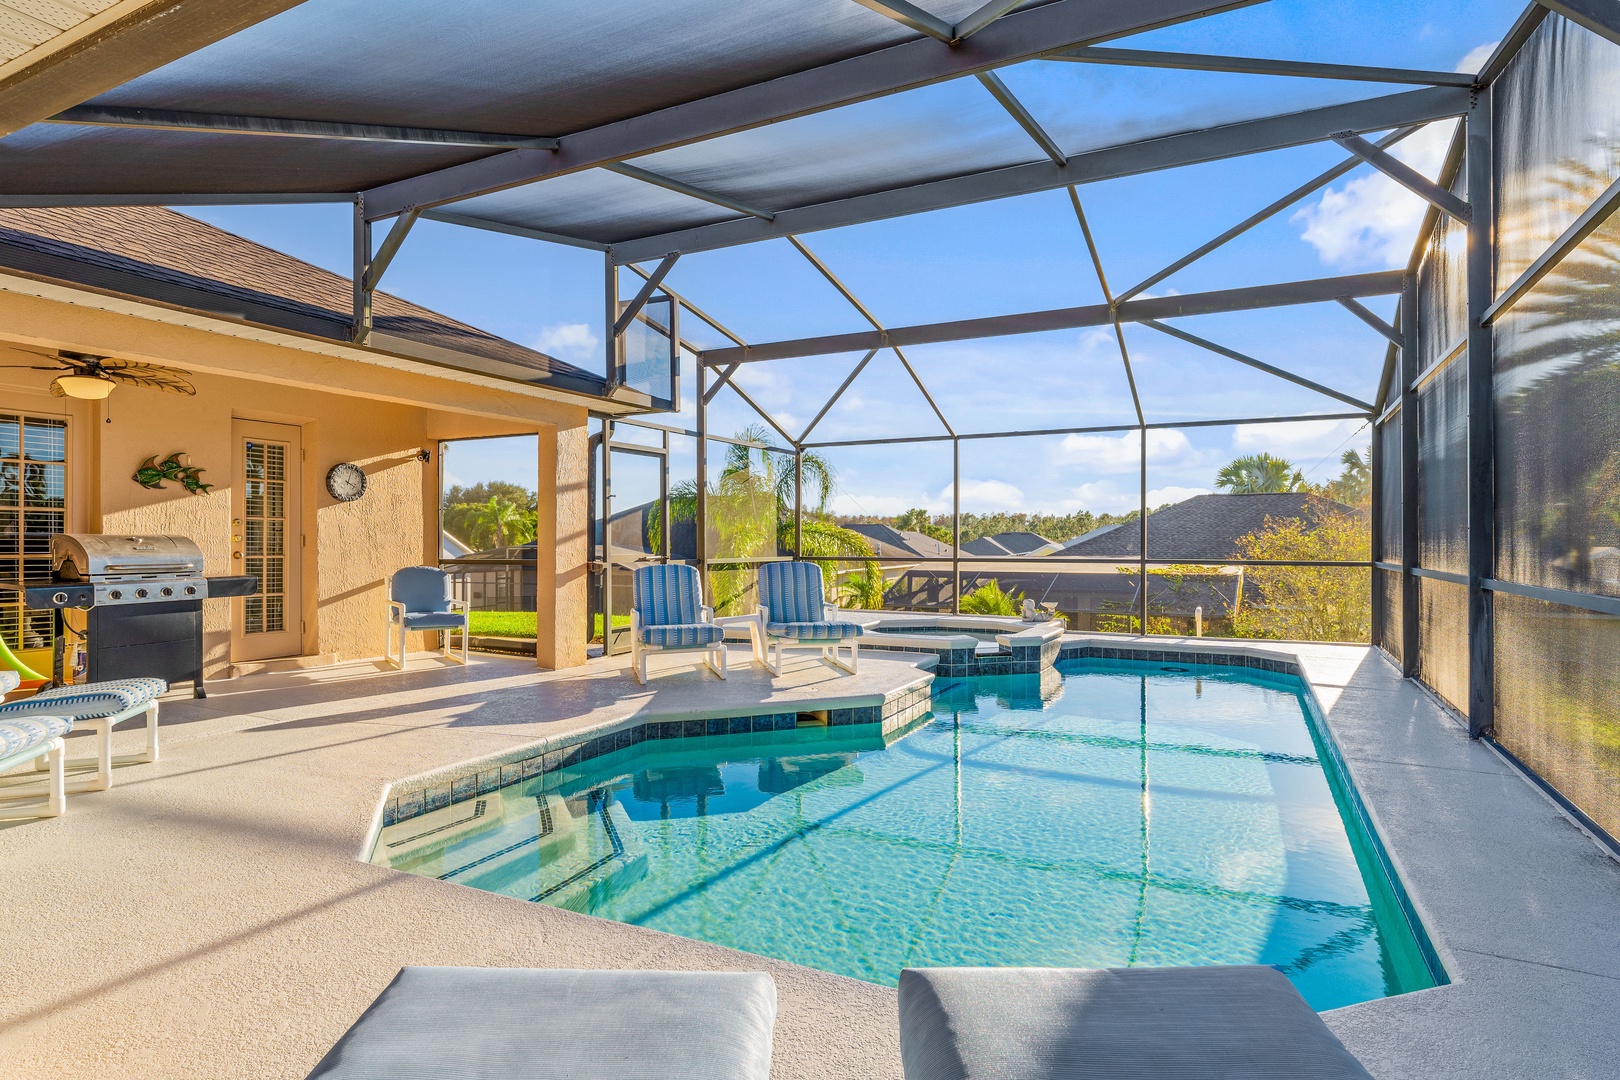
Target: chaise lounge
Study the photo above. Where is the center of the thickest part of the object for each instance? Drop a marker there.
(540, 1024)
(99, 706)
(36, 739)
(1120, 1023)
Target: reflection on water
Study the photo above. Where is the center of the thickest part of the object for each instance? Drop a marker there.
(1107, 814)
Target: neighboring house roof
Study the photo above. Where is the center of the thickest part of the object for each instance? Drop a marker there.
(984, 545)
(891, 543)
(1098, 531)
(451, 547)
(1102, 591)
(1203, 527)
(1025, 543)
(153, 253)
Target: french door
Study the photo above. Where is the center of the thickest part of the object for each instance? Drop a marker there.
(267, 539)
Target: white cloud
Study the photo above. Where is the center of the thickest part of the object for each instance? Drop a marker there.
(1101, 497)
(981, 496)
(1115, 453)
(1372, 220)
(1305, 443)
(569, 341)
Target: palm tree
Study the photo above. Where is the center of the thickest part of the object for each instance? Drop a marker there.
(507, 523)
(750, 512)
(1354, 485)
(1257, 473)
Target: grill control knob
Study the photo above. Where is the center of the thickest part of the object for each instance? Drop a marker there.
(165, 591)
(140, 594)
(191, 590)
(60, 599)
(115, 594)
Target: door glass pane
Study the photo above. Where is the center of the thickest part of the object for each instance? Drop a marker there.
(263, 527)
(33, 492)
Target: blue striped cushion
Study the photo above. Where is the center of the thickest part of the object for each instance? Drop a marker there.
(435, 620)
(790, 592)
(667, 595)
(9, 680)
(88, 701)
(30, 731)
(690, 636)
(814, 631)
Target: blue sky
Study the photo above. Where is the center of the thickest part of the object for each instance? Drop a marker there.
(1016, 255)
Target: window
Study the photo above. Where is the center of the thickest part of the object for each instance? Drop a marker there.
(33, 508)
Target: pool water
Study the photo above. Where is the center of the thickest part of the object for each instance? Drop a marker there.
(1116, 813)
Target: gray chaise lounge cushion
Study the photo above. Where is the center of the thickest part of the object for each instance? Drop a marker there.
(438, 1023)
(1213, 1023)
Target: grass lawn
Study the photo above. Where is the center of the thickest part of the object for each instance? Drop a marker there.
(503, 623)
(521, 624)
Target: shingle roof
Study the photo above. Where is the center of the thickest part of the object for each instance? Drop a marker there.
(154, 253)
(1202, 527)
(984, 545)
(891, 543)
(1021, 542)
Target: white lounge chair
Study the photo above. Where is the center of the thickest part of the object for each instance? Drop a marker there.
(420, 598)
(36, 739)
(667, 614)
(99, 706)
(793, 615)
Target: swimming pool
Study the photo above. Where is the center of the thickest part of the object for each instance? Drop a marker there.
(1109, 813)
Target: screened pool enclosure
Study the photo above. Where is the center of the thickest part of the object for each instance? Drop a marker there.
(681, 139)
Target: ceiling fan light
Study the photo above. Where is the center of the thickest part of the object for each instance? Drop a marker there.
(85, 387)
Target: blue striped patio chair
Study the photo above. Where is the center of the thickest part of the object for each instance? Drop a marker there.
(668, 615)
(793, 615)
(36, 739)
(98, 707)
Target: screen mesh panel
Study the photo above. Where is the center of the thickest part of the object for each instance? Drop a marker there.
(1557, 118)
(1557, 390)
(1558, 699)
(1442, 293)
(1442, 416)
(1388, 584)
(1442, 661)
(1389, 525)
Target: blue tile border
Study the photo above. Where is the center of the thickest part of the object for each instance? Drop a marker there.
(899, 708)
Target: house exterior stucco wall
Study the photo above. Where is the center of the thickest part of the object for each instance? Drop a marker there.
(374, 417)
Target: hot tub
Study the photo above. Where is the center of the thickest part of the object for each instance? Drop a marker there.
(967, 645)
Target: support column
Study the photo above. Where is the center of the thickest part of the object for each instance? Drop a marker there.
(1142, 563)
(1375, 470)
(1481, 418)
(798, 505)
(956, 525)
(563, 546)
(1409, 480)
(360, 328)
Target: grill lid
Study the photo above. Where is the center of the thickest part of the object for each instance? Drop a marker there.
(97, 557)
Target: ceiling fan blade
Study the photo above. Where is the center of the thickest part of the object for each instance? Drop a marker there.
(158, 380)
(141, 367)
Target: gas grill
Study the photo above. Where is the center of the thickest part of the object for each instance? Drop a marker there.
(142, 601)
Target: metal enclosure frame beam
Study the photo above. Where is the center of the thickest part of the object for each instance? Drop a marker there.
(1602, 17)
(1480, 169)
(1248, 65)
(1406, 176)
(1284, 294)
(1410, 539)
(1125, 159)
(1022, 35)
(124, 116)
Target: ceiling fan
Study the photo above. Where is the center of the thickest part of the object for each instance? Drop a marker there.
(93, 377)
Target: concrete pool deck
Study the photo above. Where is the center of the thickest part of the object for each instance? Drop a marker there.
(208, 916)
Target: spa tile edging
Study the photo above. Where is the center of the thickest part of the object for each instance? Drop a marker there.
(414, 796)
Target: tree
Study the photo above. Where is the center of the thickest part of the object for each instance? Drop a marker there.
(751, 515)
(989, 599)
(917, 520)
(1307, 603)
(1258, 473)
(1354, 485)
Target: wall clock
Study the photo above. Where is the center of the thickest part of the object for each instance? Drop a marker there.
(345, 482)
